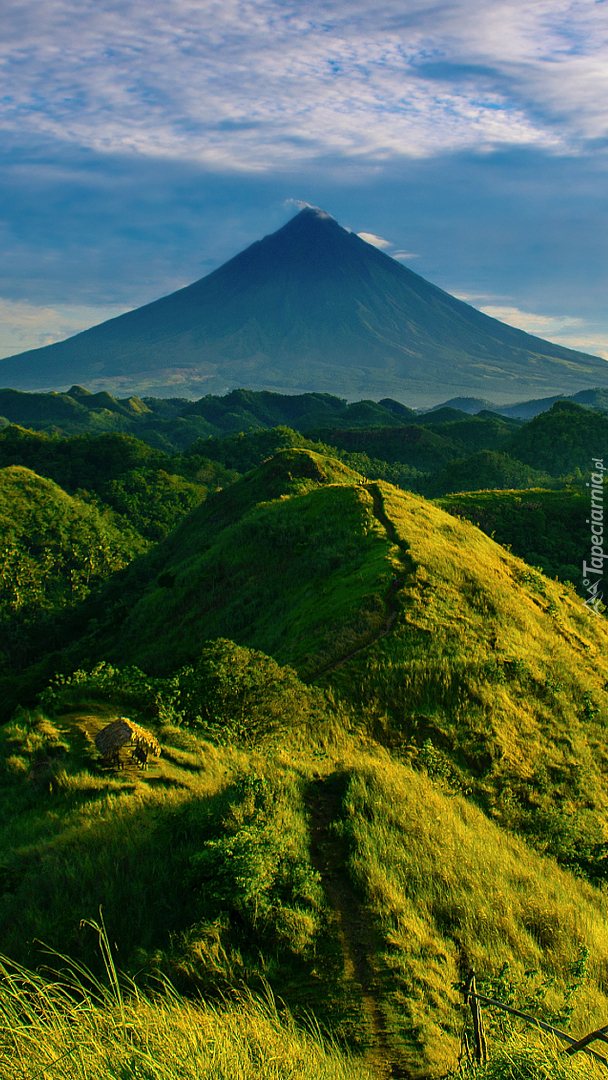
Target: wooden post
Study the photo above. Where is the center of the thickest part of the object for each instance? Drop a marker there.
(481, 1048)
(600, 1033)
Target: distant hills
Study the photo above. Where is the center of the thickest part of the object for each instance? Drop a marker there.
(310, 307)
(173, 424)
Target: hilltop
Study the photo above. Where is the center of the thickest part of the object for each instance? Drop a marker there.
(411, 614)
(311, 305)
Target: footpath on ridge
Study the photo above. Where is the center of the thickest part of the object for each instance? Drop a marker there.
(398, 581)
(352, 924)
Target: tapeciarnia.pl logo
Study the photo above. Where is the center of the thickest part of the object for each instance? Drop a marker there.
(594, 570)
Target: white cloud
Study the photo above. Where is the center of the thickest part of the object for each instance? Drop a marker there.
(404, 255)
(28, 326)
(259, 85)
(572, 333)
(375, 241)
(528, 321)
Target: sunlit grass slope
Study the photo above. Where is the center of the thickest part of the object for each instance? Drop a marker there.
(503, 670)
(546, 528)
(204, 869)
(438, 632)
(449, 889)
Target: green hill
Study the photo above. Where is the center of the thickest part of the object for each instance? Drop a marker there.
(383, 754)
(486, 470)
(55, 548)
(561, 440)
(415, 616)
(150, 490)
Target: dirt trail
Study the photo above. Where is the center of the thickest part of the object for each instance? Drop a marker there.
(397, 583)
(352, 924)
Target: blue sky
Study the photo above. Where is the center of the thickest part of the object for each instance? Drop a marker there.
(144, 143)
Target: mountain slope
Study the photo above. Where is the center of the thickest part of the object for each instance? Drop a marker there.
(415, 617)
(311, 306)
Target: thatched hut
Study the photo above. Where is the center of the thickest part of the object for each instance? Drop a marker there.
(123, 732)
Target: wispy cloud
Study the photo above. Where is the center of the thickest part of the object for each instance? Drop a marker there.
(258, 84)
(30, 326)
(529, 321)
(567, 330)
(375, 241)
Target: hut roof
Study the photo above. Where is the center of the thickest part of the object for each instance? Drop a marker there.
(123, 731)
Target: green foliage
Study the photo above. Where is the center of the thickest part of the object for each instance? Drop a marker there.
(55, 550)
(252, 877)
(148, 489)
(127, 688)
(232, 694)
(528, 1055)
(243, 693)
(561, 440)
(487, 469)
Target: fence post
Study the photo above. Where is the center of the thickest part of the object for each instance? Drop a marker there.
(481, 1048)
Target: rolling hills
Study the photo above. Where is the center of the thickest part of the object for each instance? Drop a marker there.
(311, 305)
(383, 749)
(414, 616)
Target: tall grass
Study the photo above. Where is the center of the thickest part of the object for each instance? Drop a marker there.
(530, 1056)
(446, 889)
(76, 1028)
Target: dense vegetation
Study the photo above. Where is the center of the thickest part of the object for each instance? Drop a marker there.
(383, 732)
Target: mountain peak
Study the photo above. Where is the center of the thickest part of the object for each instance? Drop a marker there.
(308, 213)
(310, 307)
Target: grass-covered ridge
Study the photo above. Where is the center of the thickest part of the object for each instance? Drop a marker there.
(355, 886)
(291, 559)
(437, 633)
(383, 756)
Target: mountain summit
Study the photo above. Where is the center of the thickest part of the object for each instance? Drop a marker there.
(310, 307)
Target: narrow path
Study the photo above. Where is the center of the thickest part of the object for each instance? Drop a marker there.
(353, 927)
(396, 584)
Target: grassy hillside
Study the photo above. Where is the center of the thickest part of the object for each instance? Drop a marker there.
(432, 628)
(383, 758)
(289, 559)
(56, 549)
(545, 528)
(357, 887)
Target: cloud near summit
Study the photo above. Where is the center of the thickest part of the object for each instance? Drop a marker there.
(262, 85)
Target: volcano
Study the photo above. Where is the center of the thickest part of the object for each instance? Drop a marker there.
(310, 307)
